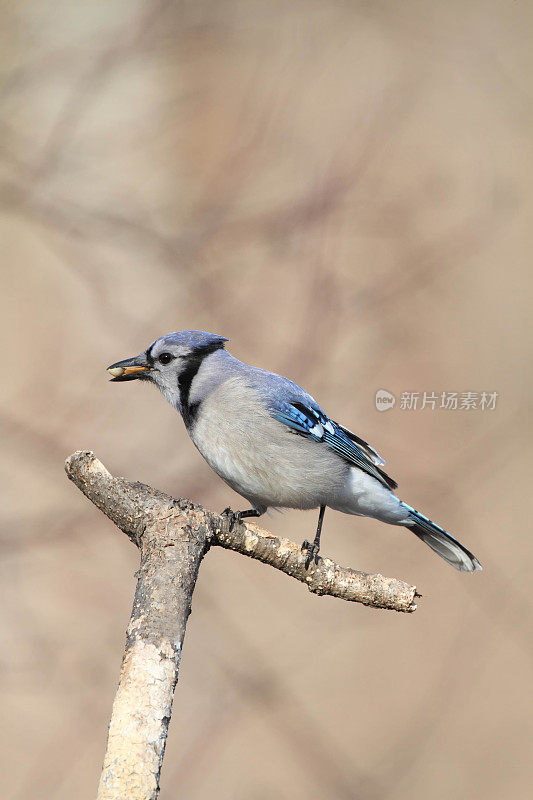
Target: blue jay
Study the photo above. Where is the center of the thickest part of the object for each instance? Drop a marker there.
(272, 443)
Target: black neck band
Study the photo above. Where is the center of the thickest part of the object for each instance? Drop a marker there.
(185, 379)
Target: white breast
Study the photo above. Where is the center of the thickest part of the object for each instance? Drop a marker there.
(258, 456)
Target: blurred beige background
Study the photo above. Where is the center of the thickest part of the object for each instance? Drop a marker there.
(344, 190)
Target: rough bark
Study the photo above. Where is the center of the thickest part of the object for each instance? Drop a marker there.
(173, 536)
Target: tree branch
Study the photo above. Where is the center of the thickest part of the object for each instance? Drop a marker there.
(173, 536)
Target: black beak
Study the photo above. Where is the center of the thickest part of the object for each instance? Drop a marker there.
(130, 368)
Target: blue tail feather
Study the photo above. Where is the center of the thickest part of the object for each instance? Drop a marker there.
(442, 542)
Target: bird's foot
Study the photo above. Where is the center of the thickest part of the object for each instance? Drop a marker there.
(233, 517)
(312, 549)
(238, 516)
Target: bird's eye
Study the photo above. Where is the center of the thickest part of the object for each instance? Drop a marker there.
(165, 358)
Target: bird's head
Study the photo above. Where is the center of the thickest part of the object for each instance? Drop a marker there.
(170, 362)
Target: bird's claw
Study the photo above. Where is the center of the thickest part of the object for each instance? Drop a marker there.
(232, 517)
(312, 552)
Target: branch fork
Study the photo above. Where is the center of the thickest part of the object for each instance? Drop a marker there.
(173, 536)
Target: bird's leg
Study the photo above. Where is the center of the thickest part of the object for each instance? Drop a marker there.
(312, 549)
(237, 516)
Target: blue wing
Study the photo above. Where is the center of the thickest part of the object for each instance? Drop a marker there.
(312, 423)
